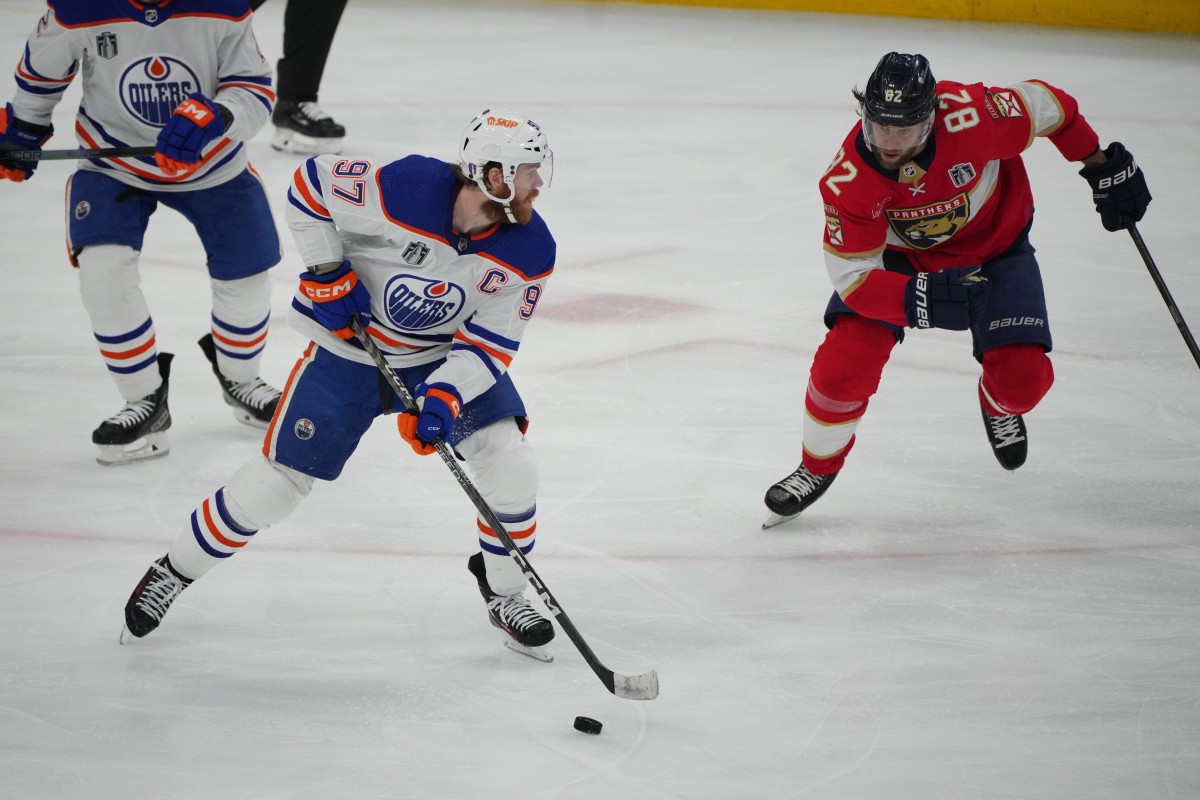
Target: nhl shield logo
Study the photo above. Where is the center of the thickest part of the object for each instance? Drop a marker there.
(106, 45)
(415, 253)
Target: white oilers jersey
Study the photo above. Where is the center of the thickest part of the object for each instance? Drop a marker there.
(435, 293)
(137, 62)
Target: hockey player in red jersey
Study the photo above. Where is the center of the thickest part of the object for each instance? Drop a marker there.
(927, 214)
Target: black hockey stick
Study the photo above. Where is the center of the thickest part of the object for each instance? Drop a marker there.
(1162, 289)
(67, 155)
(630, 687)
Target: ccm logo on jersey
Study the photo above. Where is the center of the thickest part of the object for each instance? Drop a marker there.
(1120, 177)
(323, 293)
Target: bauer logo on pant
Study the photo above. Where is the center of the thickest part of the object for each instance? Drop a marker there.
(305, 429)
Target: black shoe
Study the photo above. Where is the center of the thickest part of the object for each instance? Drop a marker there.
(511, 613)
(253, 402)
(797, 491)
(152, 597)
(138, 431)
(1007, 437)
(304, 128)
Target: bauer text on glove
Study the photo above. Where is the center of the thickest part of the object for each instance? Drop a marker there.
(336, 297)
(950, 299)
(1118, 188)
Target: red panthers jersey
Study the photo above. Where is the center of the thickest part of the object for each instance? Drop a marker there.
(962, 201)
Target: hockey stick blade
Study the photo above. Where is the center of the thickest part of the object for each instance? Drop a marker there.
(629, 687)
(68, 155)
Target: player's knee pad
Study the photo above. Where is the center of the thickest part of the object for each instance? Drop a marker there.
(243, 301)
(849, 363)
(109, 279)
(504, 466)
(262, 492)
(1017, 376)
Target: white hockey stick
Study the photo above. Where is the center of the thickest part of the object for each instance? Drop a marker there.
(630, 687)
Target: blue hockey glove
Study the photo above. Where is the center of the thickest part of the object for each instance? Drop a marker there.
(949, 299)
(16, 134)
(440, 404)
(336, 297)
(1118, 188)
(193, 124)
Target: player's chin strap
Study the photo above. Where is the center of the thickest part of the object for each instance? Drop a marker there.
(507, 204)
(630, 687)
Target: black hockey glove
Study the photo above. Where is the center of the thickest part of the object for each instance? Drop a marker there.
(1118, 188)
(949, 299)
(17, 134)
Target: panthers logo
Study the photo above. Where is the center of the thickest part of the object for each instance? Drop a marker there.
(929, 226)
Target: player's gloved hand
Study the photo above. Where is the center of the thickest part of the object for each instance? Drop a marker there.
(337, 296)
(439, 404)
(17, 134)
(1118, 188)
(192, 125)
(949, 299)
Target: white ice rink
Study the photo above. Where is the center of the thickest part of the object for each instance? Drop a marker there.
(934, 629)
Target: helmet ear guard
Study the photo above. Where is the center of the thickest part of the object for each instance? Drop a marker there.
(502, 137)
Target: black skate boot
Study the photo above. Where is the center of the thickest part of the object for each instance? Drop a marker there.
(305, 129)
(513, 614)
(1007, 437)
(253, 401)
(138, 432)
(787, 498)
(150, 600)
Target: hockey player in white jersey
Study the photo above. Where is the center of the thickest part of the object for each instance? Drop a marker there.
(447, 263)
(186, 77)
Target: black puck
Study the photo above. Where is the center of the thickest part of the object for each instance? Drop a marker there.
(587, 725)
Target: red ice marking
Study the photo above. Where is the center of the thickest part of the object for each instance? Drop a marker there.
(615, 308)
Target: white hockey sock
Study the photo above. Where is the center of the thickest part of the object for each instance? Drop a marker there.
(110, 287)
(241, 313)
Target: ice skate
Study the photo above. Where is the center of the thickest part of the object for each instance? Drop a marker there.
(527, 631)
(787, 498)
(150, 600)
(305, 129)
(253, 401)
(138, 432)
(1007, 437)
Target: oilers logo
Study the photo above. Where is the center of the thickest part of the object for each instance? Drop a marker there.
(151, 87)
(417, 304)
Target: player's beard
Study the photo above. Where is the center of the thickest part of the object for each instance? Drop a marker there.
(522, 210)
(898, 161)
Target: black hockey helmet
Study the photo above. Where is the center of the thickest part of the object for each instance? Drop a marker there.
(900, 92)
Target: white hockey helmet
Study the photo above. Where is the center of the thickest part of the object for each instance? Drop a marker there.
(509, 140)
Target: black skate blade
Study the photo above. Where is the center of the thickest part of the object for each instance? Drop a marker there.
(149, 447)
(246, 418)
(542, 653)
(775, 519)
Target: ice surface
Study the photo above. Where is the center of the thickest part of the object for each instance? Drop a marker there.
(934, 629)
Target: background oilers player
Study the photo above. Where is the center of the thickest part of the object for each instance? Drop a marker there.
(187, 77)
(927, 214)
(448, 263)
